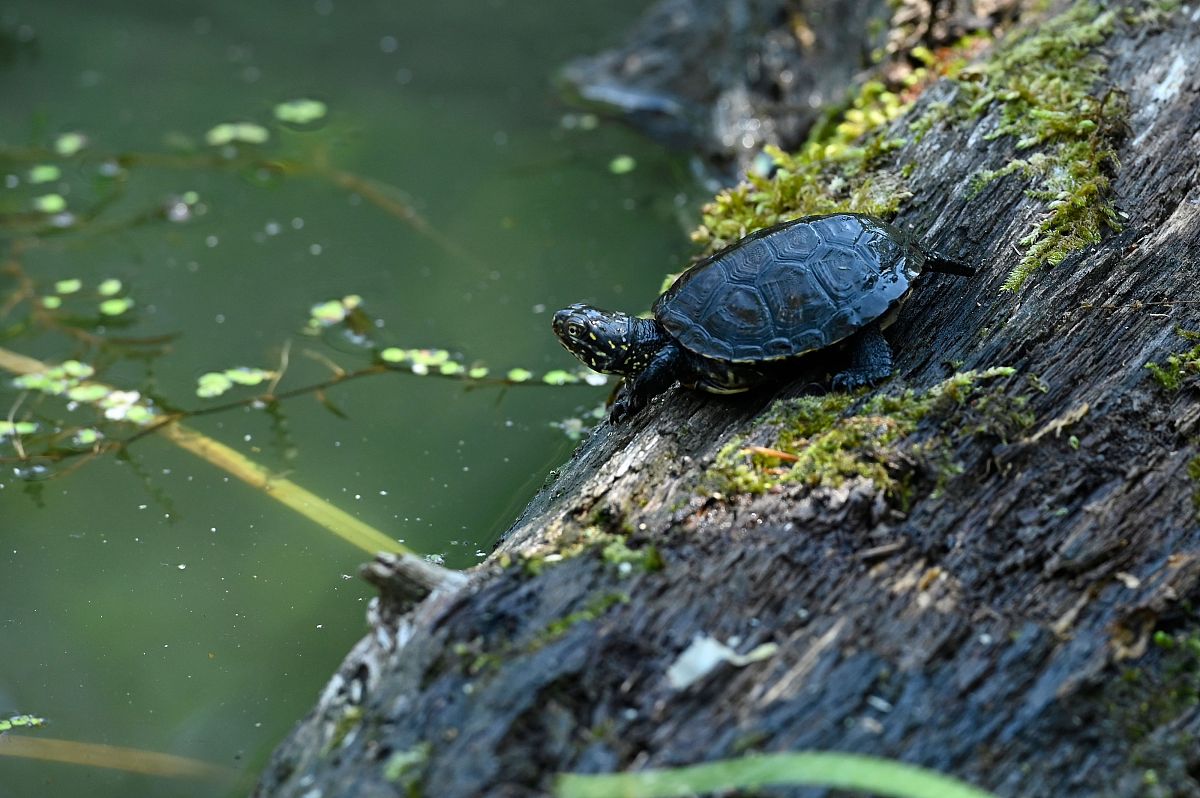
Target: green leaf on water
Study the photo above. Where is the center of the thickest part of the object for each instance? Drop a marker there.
(622, 165)
(110, 287)
(73, 368)
(88, 392)
(86, 437)
(138, 414)
(68, 286)
(519, 375)
(44, 173)
(213, 383)
(559, 377)
(231, 132)
(115, 307)
(429, 357)
(20, 722)
(8, 428)
(70, 143)
(300, 111)
(243, 375)
(50, 203)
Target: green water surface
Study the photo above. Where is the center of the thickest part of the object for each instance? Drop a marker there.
(156, 602)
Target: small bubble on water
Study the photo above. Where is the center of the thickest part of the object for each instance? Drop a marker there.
(389, 44)
(211, 241)
(179, 211)
(31, 473)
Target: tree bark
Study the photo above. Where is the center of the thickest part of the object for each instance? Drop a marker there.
(1021, 615)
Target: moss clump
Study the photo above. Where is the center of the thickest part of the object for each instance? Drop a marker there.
(348, 720)
(1146, 703)
(594, 609)
(830, 173)
(574, 541)
(617, 552)
(405, 769)
(822, 441)
(1042, 83)
(1193, 470)
(1180, 366)
(474, 658)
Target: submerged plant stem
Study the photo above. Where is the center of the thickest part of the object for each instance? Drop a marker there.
(282, 490)
(97, 755)
(869, 774)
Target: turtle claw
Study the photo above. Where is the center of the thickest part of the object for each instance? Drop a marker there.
(853, 380)
(622, 409)
(870, 362)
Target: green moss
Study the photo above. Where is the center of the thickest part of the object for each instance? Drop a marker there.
(612, 547)
(823, 441)
(831, 172)
(1145, 705)
(349, 720)
(473, 658)
(405, 769)
(1180, 366)
(595, 608)
(1193, 470)
(617, 552)
(1042, 83)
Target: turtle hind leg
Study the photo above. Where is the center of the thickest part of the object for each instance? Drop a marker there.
(870, 361)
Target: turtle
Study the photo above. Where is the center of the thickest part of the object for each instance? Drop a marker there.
(778, 295)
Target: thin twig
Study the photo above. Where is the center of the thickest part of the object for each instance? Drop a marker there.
(16, 436)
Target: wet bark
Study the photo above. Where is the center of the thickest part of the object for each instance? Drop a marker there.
(723, 78)
(1015, 619)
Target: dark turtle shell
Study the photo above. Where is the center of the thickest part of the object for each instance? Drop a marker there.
(790, 289)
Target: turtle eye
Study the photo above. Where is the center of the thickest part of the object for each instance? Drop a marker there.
(574, 330)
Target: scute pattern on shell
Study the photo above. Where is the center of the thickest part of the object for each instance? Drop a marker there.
(791, 289)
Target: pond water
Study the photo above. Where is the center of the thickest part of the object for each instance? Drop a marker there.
(154, 601)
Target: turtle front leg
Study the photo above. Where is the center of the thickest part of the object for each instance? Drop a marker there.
(870, 361)
(660, 374)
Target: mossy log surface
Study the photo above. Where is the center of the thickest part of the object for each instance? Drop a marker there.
(1018, 616)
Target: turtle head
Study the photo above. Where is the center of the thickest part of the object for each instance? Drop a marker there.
(608, 341)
